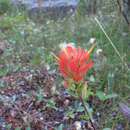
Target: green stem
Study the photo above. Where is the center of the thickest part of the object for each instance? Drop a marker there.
(86, 111)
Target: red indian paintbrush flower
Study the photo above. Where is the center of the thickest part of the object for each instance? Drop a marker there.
(74, 63)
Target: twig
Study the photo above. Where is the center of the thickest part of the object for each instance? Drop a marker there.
(86, 111)
(124, 15)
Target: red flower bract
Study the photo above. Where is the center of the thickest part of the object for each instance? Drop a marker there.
(74, 63)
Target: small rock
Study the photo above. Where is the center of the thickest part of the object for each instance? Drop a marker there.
(66, 102)
(77, 125)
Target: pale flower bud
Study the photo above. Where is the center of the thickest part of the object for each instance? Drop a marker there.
(99, 51)
(92, 40)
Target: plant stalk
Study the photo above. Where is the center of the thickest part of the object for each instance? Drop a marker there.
(86, 111)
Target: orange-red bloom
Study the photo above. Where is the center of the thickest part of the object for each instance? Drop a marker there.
(74, 63)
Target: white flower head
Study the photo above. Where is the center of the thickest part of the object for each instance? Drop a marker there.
(99, 51)
(92, 40)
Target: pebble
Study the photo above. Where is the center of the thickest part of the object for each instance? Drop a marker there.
(77, 125)
(66, 102)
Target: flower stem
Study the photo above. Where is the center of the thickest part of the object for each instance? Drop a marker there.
(86, 111)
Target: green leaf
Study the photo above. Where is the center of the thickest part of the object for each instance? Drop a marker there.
(80, 109)
(88, 93)
(28, 128)
(113, 95)
(51, 104)
(8, 127)
(84, 91)
(4, 71)
(36, 60)
(17, 128)
(110, 79)
(40, 95)
(102, 96)
(106, 129)
(84, 117)
(60, 127)
(70, 114)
